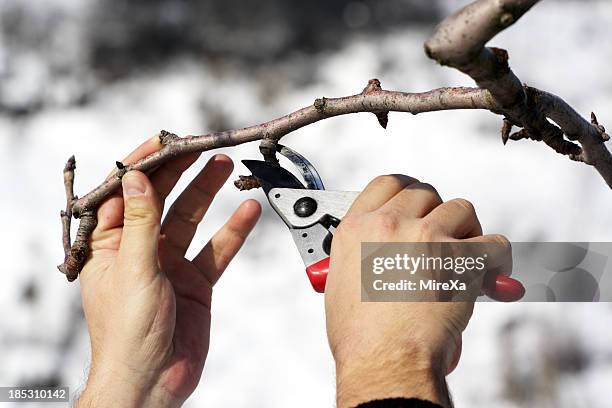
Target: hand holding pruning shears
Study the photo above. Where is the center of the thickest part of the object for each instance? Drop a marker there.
(313, 213)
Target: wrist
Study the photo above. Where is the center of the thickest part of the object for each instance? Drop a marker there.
(417, 373)
(112, 386)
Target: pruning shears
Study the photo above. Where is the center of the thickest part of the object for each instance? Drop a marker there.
(312, 214)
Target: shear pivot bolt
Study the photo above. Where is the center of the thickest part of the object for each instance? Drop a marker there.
(305, 207)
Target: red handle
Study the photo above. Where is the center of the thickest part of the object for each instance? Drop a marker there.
(498, 287)
(503, 288)
(317, 273)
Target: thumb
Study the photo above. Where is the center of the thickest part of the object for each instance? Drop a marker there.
(141, 223)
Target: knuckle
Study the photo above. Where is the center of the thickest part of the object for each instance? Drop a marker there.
(430, 193)
(426, 230)
(397, 180)
(502, 241)
(138, 211)
(383, 180)
(387, 223)
(463, 205)
(427, 187)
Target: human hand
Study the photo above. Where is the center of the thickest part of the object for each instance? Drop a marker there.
(147, 307)
(395, 349)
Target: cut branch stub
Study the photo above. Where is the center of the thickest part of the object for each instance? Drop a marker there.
(246, 183)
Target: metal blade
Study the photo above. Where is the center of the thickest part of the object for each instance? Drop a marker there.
(306, 169)
(272, 176)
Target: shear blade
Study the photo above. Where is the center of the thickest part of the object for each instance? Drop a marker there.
(306, 169)
(272, 176)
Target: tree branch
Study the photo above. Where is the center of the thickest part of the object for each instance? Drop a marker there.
(459, 42)
(372, 99)
(376, 102)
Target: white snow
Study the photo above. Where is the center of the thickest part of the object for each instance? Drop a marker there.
(268, 342)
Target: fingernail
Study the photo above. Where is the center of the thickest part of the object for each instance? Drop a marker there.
(133, 185)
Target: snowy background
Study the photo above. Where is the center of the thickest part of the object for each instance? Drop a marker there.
(97, 78)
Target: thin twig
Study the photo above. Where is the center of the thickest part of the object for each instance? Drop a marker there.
(66, 215)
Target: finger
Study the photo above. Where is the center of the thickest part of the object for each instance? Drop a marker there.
(497, 283)
(221, 249)
(456, 218)
(183, 218)
(416, 200)
(168, 174)
(141, 225)
(498, 251)
(378, 192)
(110, 213)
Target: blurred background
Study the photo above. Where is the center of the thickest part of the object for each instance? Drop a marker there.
(96, 78)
